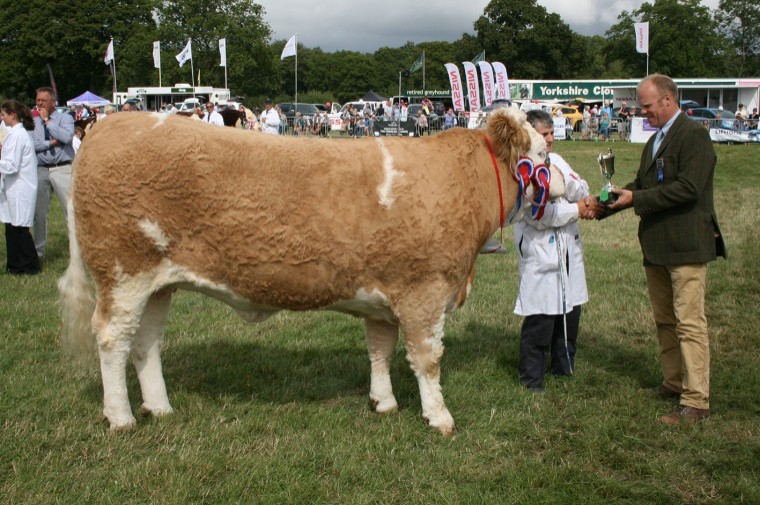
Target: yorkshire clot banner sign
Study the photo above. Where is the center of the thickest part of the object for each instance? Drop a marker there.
(568, 90)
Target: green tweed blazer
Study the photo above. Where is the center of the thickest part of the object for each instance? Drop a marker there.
(673, 195)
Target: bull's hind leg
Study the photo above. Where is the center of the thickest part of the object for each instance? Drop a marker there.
(381, 344)
(423, 337)
(114, 337)
(146, 354)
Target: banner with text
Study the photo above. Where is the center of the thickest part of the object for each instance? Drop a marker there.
(457, 96)
(502, 80)
(473, 91)
(486, 76)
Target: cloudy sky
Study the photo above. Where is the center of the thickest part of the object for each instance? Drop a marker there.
(364, 26)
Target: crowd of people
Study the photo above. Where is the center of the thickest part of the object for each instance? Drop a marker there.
(678, 233)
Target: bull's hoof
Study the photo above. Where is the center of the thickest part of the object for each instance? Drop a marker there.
(124, 424)
(446, 428)
(146, 411)
(383, 406)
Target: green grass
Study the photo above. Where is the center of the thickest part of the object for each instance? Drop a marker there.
(278, 412)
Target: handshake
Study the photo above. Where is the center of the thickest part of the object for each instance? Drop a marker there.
(591, 208)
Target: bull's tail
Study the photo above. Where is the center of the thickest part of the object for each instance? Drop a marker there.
(76, 303)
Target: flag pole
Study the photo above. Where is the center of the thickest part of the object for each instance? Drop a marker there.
(647, 59)
(423, 72)
(296, 83)
(159, 64)
(192, 73)
(113, 72)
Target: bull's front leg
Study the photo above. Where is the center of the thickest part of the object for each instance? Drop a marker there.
(146, 354)
(423, 338)
(381, 345)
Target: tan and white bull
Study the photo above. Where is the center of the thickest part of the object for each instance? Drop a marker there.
(385, 229)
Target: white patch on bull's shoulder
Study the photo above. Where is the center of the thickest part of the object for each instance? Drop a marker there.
(384, 190)
(155, 233)
(372, 304)
(160, 118)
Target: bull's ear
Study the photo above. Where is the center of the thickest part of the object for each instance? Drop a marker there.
(508, 135)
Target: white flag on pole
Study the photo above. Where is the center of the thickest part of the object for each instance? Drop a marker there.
(457, 96)
(157, 54)
(502, 80)
(108, 57)
(642, 37)
(223, 52)
(289, 49)
(186, 54)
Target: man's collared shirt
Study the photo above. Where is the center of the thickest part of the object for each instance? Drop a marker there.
(61, 128)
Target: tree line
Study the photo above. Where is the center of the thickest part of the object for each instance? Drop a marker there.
(687, 39)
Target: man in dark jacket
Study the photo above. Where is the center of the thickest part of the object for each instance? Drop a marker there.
(679, 235)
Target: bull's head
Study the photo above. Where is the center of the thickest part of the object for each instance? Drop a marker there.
(525, 150)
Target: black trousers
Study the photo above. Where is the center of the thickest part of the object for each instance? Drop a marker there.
(542, 335)
(21, 254)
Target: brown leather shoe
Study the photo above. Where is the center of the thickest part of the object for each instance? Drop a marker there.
(666, 393)
(684, 414)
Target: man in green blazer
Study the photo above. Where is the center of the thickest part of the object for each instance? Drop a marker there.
(679, 235)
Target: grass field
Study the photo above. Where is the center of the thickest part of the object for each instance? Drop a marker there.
(278, 412)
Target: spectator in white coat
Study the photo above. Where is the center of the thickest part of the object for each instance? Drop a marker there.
(18, 189)
(212, 116)
(270, 119)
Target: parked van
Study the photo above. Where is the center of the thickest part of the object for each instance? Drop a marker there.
(190, 104)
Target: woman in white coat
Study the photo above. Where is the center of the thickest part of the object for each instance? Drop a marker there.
(552, 277)
(18, 189)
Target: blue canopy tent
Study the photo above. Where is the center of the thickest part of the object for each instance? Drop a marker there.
(89, 99)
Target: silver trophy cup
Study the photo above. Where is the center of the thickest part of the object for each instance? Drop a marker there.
(607, 167)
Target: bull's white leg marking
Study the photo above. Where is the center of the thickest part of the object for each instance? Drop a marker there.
(114, 337)
(146, 355)
(154, 233)
(385, 189)
(424, 345)
(136, 320)
(381, 345)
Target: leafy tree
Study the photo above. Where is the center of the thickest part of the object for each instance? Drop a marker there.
(530, 41)
(738, 20)
(71, 37)
(683, 41)
(251, 69)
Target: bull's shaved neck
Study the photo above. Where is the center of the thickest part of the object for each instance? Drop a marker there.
(385, 190)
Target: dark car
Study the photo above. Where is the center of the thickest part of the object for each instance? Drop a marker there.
(308, 110)
(714, 116)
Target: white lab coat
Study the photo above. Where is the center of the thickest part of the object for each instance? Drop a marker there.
(18, 178)
(270, 122)
(540, 245)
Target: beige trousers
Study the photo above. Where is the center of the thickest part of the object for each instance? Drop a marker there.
(677, 295)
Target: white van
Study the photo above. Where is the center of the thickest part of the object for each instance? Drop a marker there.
(189, 105)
